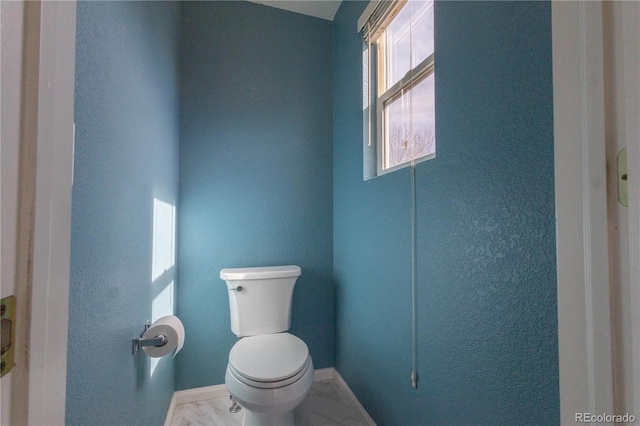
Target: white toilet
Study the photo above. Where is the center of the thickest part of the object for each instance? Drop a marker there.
(270, 371)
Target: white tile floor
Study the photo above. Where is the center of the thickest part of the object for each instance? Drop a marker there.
(326, 404)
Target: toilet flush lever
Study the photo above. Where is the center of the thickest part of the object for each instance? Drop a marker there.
(238, 289)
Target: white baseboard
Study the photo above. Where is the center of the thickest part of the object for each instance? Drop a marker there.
(200, 394)
(351, 398)
(220, 391)
(193, 395)
(322, 374)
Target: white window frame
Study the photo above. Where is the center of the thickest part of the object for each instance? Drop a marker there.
(414, 76)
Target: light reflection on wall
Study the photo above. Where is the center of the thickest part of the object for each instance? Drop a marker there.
(163, 260)
(162, 305)
(164, 237)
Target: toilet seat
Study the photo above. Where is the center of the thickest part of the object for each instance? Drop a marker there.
(269, 360)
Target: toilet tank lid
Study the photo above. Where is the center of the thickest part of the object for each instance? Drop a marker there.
(260, 273)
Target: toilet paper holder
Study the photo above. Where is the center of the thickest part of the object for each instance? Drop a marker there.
(138, 342)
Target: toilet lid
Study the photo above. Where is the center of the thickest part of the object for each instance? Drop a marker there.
(269, 357)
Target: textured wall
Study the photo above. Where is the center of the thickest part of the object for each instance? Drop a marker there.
(255, 172)
(487, 331)
(126, 154)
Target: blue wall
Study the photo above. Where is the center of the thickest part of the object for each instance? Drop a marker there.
(255, 172)
(126, 154)
(487, 328)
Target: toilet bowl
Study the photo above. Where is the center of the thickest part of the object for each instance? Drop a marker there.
(269, 375)
(270, 371)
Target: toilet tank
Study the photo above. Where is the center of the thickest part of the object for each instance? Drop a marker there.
(260, 298)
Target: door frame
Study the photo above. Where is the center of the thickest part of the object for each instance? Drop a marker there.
(39, 399)
(584, 336)
(584, 318)
(583, 308)
(631, 52)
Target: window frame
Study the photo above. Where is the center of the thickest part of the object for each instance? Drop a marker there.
(377, 96)
(412, 78)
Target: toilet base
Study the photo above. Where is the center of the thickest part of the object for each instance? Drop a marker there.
(277, 419)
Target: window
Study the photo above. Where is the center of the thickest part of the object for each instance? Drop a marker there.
(398, 83)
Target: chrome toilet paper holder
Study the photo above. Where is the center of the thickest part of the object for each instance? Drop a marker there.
(138, 342)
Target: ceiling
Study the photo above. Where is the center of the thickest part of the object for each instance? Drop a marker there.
(325, 9)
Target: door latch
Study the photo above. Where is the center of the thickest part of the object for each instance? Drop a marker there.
(623, 194)
(7, 333)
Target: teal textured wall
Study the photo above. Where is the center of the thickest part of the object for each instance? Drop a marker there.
(126, 155)
(486, 277)
(255, 172)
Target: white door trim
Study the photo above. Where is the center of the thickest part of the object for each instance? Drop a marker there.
(584, 336)
(52, 222)
(631, 53)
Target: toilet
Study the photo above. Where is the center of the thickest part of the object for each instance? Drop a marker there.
(270, 371)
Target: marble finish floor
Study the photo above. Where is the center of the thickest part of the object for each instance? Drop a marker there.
(324, 405)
